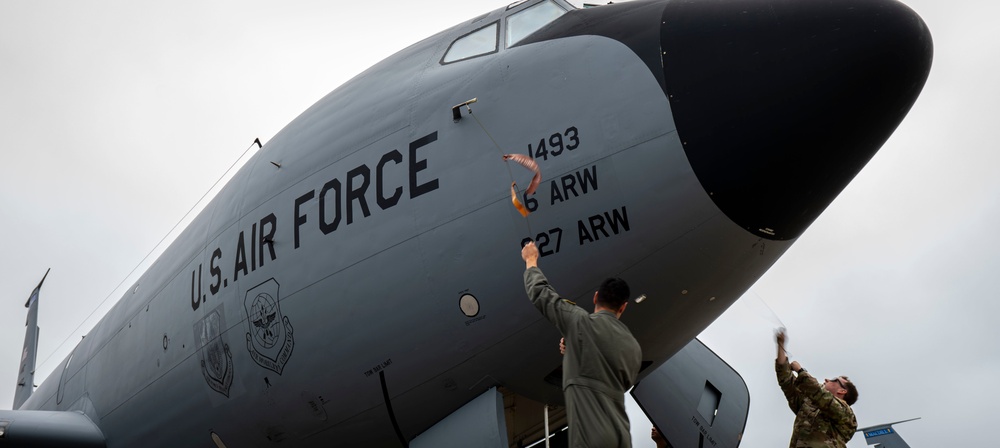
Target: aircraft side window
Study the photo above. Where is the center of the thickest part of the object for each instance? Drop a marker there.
(531, 19)
(477, 43)
(516, 4)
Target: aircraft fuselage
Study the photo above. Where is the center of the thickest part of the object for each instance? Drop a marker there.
(359, 278)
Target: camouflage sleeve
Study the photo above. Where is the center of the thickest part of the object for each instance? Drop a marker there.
(557, 310)
(839, 413)
(787, 382)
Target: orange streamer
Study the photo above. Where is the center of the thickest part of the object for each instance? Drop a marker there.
(517, 202)
(530, 164)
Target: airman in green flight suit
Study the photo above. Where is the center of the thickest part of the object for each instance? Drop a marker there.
(601, 360)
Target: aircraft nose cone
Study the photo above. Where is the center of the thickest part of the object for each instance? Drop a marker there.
(779, 104)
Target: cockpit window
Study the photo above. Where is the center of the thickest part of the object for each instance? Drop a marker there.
(479, 42)
(529, 20)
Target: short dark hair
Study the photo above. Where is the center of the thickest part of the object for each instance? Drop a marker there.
(613, 293)
(851, 396)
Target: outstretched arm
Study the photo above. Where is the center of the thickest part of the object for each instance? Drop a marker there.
(557, 310)
(780, 338)
(529, 253)
(784, 373)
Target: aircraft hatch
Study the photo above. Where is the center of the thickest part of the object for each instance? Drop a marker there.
(695, 399)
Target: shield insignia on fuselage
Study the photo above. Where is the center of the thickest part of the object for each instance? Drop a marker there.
(269, 335)
(213, 351)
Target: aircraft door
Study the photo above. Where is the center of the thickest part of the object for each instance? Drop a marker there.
(696, 399)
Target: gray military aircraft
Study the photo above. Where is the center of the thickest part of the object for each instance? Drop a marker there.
(358, 281)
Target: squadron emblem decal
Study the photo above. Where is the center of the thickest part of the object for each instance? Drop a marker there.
(270, 339)
(216, 359)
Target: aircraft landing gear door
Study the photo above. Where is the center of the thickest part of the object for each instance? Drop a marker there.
(695, 399)
(480, 423)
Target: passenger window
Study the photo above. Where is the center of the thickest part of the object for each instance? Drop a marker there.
(476, 43)
(525, 22)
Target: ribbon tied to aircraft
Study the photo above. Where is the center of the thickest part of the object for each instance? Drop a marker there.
(530, 164)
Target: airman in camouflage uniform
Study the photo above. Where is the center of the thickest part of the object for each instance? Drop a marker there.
(823, 415)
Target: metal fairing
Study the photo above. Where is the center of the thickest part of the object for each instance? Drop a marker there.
(695, 399)
(315, 301)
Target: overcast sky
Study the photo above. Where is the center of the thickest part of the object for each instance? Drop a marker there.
(116, 116)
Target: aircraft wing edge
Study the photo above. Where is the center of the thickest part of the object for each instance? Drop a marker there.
(45, 429)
